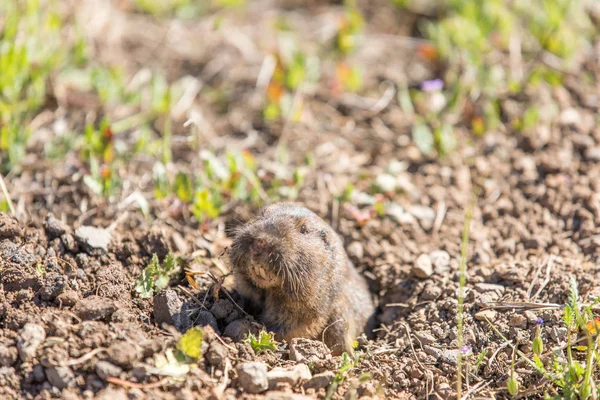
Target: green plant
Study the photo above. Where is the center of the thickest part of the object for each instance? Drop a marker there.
(345, 365)
(348, 77)
(98, 150)
(572, 379)
(464, 249)
(31, 49)
(190, 342)
(264, 341)
(156, 276)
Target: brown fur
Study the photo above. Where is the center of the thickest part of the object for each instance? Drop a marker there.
(307, 286)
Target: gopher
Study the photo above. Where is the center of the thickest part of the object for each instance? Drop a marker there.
(292, 269)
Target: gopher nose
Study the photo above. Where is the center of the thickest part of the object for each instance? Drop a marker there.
(260, 246)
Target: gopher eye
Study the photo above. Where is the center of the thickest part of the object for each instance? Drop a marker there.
(303, 229)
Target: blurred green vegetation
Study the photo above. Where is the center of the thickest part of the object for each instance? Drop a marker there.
(495, 49)
(482, 53)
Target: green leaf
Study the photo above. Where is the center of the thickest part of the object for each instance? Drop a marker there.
(264, 341)
(423, 137)
(191, 342)
(183, 187)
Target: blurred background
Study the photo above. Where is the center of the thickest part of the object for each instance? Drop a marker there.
(200, 104)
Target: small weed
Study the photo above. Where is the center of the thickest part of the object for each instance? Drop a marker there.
(572, 379)
(156, 276)
(264, 341)
(39, 268)
(31, 49)
(346, 364)
(190, 343)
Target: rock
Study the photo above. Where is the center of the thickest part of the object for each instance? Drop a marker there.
(94, 308)
(39, 375)
(8, 355)
(308, 351)
(91, 238)
(397, 213)
(68, 298)
(450, 356)
(440, 260)
(425, 215)
(531, 317)
(425, 337)
(423, 267)
(105, 369)
(60, 377)
(168, 309)
(114, 394)
(238, 329)
(205, 318)
(122, 353)
(9, 227)
(386, 183)
(356, 250)
(288, 375)
(222, 308)
(277, 395)
(592, 154)
(518, 321)
(319, 381)
(53, 286)
(489, 287)
(216, 355)
(30, 338)
(253, 377)
(570, 116)
(54, 227)
(489, 314)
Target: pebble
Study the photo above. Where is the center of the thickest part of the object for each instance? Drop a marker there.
(425, 337)
(30, 338)
(94, 308)
(238, 329)
(440, 260)
(489, 314)
(489, 287)
(253, 377)
(90, 237)
(8, 355)
(222, 308)
(122, 353)
(386, 183)
(592, 154)
(356, 250)
(105, 369)
(112, 394)
(54, 284)
(422, 268)
(61, 377)
(319, 381)
(425, 215)
(168, 310)
(518, 321)
(308, 351)
(216, 355)
(288, 375)
(277, 395)
(54, 227)
(397, 213)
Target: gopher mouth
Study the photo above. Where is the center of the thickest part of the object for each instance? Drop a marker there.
(261, 276)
